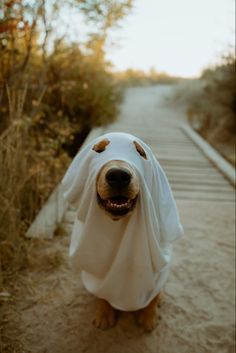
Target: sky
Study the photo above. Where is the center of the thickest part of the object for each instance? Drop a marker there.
(179, 37)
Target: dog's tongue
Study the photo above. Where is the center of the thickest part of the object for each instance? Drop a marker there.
(119, 200)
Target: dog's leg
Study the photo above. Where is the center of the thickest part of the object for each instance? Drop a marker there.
(105, 316)
(146, 317)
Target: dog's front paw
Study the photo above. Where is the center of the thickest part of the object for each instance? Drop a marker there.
(105, 316)
(146, 317)
(147, 320)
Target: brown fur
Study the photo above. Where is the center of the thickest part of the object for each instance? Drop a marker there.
(101, 146)
(103, 188)
(146, 317)
(140, 150)
(106, 315)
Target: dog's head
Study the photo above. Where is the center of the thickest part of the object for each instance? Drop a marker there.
(117, 183)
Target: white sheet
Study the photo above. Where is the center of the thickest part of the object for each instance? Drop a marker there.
(127, 261)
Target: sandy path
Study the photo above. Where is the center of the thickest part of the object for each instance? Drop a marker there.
(54, 312)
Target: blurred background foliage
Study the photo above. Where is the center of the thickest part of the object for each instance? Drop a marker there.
(52, 92)
(211, 104)
(132, 78)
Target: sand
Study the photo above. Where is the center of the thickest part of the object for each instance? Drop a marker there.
(197, 315)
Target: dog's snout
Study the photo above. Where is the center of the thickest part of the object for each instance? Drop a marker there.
(118, 177)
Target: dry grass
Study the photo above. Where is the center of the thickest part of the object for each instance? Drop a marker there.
(27, 177)
(25, 183)
(17, 185)
(13, 181)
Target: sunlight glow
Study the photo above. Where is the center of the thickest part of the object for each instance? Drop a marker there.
(180, 37)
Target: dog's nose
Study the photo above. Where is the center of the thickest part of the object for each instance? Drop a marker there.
(118, 177)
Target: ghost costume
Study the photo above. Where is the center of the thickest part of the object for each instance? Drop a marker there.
(125, 262)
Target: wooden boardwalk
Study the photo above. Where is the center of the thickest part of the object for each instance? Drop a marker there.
(190, 173)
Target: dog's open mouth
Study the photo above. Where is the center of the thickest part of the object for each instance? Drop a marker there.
(118, 205)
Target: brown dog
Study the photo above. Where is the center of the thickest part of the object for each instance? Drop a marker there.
(117, 192)
(126, 220)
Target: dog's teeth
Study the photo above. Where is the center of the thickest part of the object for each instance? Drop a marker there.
(117, 206)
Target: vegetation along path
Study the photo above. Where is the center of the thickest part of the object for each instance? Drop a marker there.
(54, 311)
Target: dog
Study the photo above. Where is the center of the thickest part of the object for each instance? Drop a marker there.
(126, 220)
(117, 188)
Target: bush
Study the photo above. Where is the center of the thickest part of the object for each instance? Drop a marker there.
(218, 101)
(211, 103)
(81, 94)
(132, 78)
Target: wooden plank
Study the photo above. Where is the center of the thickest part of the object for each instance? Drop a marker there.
(187, 195)
(69, 216)
(206, 182)
(200, 174)
(49, 217)
(67, 227)
(226, 168)
(176, 148)
(177, 153)
(184, 162)
(201, 188)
